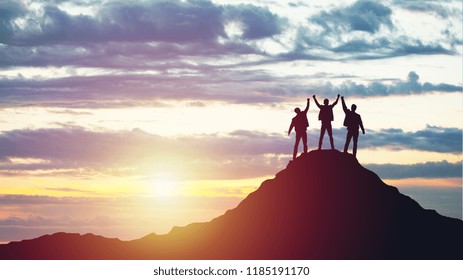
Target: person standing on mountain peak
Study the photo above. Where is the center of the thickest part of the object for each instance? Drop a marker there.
(326, 117)
(300, 124)
(353, 122)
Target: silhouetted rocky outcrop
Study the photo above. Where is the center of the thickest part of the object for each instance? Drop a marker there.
(324, 205)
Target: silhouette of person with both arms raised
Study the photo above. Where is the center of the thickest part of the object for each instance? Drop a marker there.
(300, 124)
(352, 121)
(326, 116)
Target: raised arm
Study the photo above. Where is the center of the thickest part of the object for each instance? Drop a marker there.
(336, 102)
(307, 107)
(316, 102)
(344, 107)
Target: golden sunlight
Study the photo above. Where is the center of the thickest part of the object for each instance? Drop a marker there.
(163, 185)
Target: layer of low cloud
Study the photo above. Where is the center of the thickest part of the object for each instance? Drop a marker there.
(441, 169)
(241, 154)
(109, 91)
(411, 85)
(436, 139)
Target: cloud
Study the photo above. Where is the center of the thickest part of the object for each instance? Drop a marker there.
(124, 56)
(411, 86)
(256, 22)
(173, 21)
(343, 32)
(223, 84)
(426, 7)
(108, 91)
(435, 139)
(70, 112)
(69, 147)
(154, 21)
(63, 221)
(73, 190)
(133, 35)
(137, 35)
(81, 153)
(384, 48)
(442, 169)
(367, 16)
(366, 30)
(36, 200)
(78, 152)
(430, 139)
(10, 10)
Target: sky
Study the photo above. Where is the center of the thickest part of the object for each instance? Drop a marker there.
(123, 118)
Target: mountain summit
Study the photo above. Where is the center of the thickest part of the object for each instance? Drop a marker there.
(323, 205)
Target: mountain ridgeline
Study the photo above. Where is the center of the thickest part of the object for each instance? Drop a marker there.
(324, 205)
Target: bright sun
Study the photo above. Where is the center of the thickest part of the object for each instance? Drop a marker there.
(163, 185)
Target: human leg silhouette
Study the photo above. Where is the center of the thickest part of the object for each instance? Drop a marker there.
(356, 138)
(330, 134)
(296, 144)
(322, 133)
(348, 137)
(304, 141)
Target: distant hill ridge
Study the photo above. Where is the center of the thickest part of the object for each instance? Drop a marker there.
(323, 205)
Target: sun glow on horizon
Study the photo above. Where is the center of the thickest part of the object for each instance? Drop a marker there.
(163, 185)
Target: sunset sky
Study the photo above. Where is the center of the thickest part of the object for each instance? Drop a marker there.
(123, 118)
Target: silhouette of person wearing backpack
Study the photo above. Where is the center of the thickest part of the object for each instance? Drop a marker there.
(353, 122)
(300, 124)
(326, 116)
